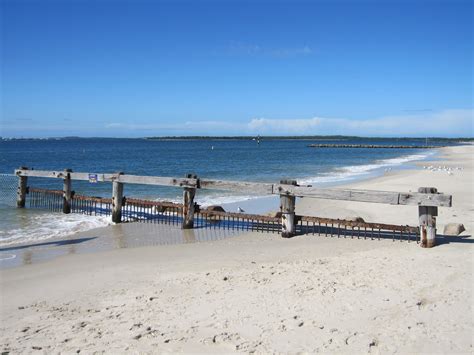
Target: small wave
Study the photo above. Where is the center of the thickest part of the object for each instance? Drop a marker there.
(47, 226)
(4, 257)
(354, 171)
(223, 200)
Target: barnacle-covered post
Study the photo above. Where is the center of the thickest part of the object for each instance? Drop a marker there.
(188, 204)
(67, 191)
(427, 220)
(287, 208)
(22, 189)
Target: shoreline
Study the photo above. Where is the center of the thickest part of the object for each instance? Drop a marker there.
(258, 292)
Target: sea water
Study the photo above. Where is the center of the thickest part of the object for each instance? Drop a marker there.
(239, 160)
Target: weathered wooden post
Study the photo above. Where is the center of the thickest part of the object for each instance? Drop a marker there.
(117, 199)
(22, 189)
(287, 208)
(188, 205)
(67, 191)
(427, 220)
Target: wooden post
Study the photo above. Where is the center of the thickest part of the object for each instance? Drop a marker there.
(427, 220)
(287, 208)
(21, 190)
(188, 205)
(67, 191)
(117, 200)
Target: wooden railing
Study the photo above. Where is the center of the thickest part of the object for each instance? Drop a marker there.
(427, 199)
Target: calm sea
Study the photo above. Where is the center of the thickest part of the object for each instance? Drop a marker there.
(269, 161)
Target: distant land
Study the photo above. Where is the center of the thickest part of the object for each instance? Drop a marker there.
(261, 138)
(336, 137)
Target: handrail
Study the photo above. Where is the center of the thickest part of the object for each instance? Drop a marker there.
(371, 196)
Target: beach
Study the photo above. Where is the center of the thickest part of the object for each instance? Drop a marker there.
(258, 292)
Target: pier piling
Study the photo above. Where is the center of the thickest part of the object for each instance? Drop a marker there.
(67, 191)
(427, 220)
(188, 204)
(117, 199)
(287, 208)
(22, 189)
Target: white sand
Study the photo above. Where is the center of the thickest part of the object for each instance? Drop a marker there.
(259, 292)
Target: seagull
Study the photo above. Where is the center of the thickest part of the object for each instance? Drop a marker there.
(240, 209)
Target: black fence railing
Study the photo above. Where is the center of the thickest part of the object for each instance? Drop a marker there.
(146, 211)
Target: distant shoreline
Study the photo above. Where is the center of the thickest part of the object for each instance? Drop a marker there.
(236, 138)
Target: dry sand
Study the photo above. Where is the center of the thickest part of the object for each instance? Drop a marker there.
(261, 293)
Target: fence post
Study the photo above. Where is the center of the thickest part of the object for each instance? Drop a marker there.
(22, 189)
(117, 200)
(67, 191)
(287, 208)
(188, 205)
(427, 220)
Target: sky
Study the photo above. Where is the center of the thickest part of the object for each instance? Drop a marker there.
(157, 68)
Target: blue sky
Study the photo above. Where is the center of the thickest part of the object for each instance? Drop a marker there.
(141, 68)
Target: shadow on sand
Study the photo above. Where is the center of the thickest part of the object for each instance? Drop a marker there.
(448, 239)
(54, 243)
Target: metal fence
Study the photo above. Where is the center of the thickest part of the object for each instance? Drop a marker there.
(146, 211)
(8, 189)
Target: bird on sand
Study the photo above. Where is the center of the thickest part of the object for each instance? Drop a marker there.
(240, 209)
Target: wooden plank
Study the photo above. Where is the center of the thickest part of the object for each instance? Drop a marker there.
(428, 199)
(63, 175)
(158, 180)
(40, 173)
(130, 179)
(255, 187)
(386, 197)
(338, 194)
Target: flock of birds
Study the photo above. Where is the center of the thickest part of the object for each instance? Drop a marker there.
(444, 168)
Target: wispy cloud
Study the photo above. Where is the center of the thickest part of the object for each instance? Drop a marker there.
(252, 49)
(458, 122)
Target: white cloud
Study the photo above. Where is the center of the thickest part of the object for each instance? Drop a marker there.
(457, 122)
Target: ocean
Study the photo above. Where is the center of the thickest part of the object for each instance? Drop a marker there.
(244, 160)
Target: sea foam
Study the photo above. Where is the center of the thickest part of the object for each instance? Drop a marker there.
(45, 226)
(352, 172)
